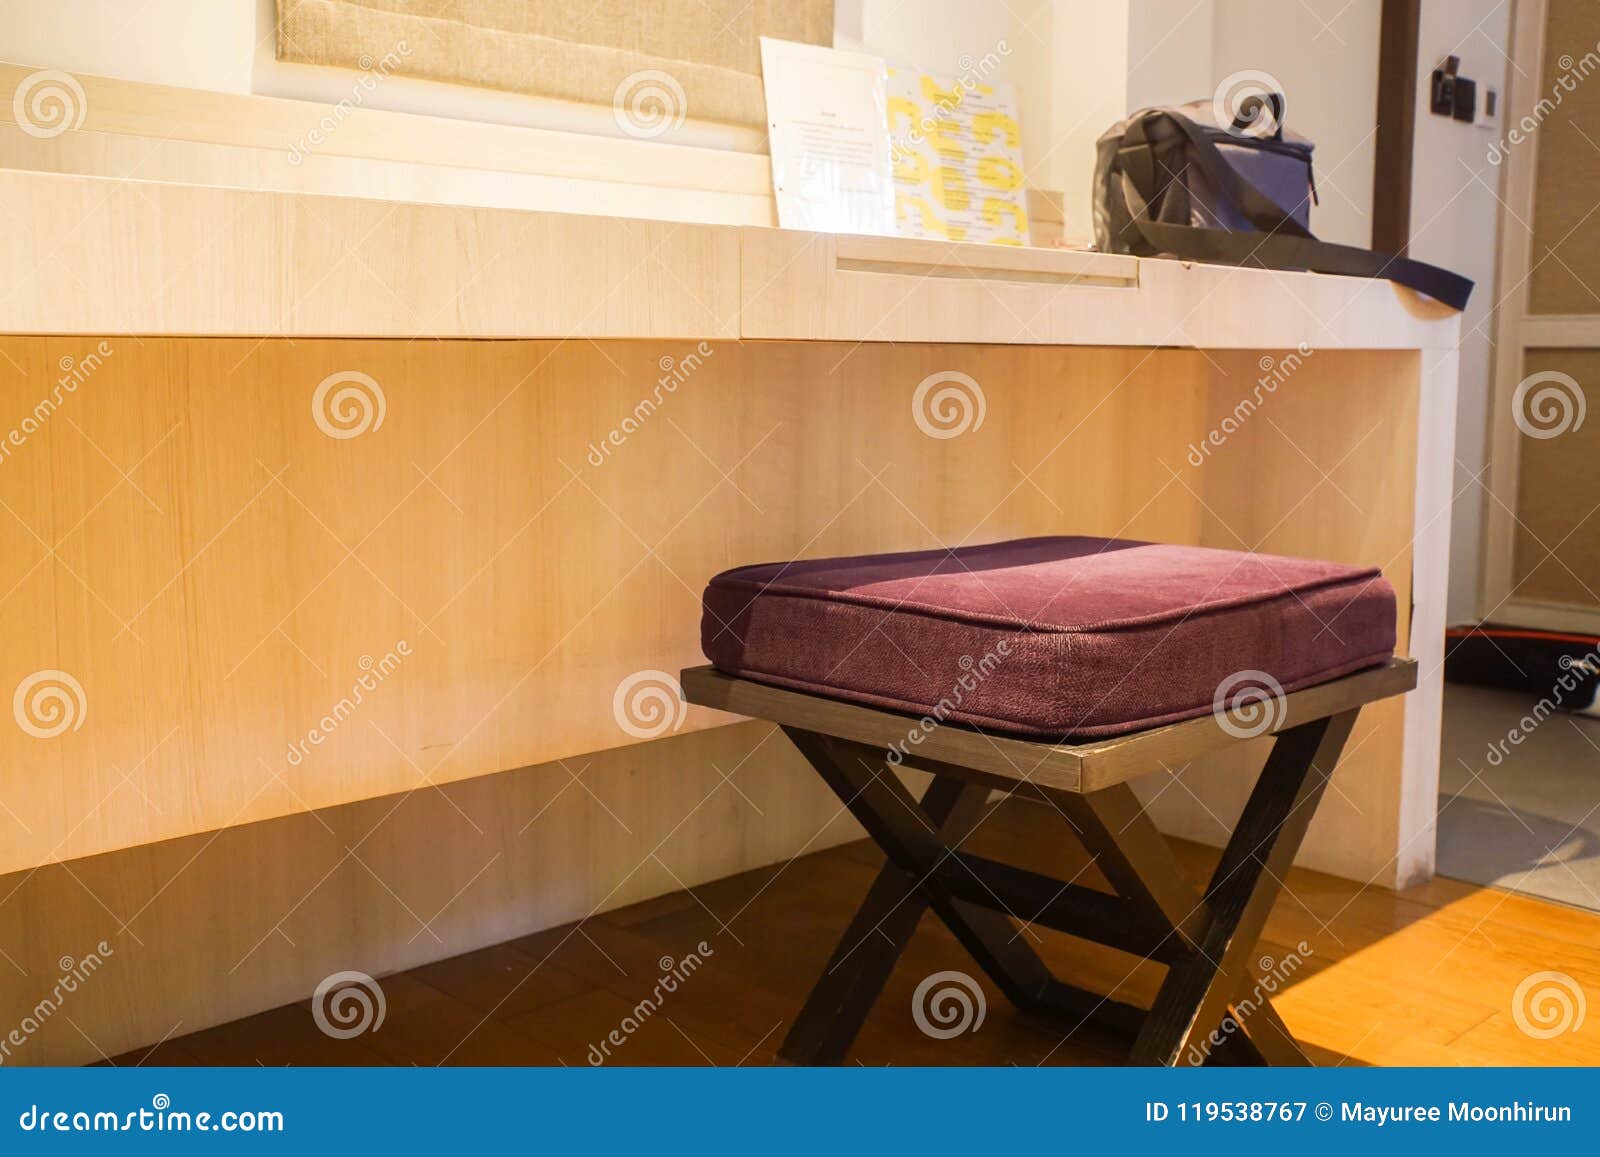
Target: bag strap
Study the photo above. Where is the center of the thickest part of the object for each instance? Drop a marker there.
(1283, 244)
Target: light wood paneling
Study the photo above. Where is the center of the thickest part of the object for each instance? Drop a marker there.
(109, 256)
(220, 925)
(297, 128)
(189, 260)
(1565, 273)
(181, 536)
(1322, 465)
(1558, 487)
(1544, 311)
(180, 161)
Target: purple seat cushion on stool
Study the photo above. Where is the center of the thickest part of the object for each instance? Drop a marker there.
(1049, 637)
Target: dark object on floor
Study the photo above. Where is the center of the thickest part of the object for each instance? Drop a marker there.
(1561, 667)
(1206, 1010)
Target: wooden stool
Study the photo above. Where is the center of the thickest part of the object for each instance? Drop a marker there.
(1206, 940)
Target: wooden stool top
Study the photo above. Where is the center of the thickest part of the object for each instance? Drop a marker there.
(1087, 766)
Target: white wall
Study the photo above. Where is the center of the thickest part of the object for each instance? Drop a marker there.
(937, 35)
(1325, 54)
(209, 44)
(1078, 91)
(1170, 48)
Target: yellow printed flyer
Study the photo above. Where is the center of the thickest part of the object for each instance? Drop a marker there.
(956, 148)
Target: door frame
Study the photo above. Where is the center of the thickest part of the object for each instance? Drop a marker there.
(1517, 329)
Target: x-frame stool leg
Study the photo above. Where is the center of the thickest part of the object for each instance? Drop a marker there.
(1207, 938)
(920, 849)
(1201, 985)
(866, 955)
(1137, 861)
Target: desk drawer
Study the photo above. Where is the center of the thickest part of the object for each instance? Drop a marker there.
(847, 288)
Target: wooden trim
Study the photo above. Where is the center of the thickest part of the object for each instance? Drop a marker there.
(906, 256)
(1570, 331)
(811, 286)
(1093, 765)
(1398, 69)
(236, 262)
(163, 112)
(1548, 616)
(1524, 83)
(193, 261)
(181, 162)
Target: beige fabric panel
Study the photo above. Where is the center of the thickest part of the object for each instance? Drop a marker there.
(1568, 172)
(579, 52)
(1558, 487)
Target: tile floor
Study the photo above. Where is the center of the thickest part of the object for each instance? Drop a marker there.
(1530, 823)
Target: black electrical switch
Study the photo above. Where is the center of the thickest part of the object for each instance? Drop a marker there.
(1442, 93)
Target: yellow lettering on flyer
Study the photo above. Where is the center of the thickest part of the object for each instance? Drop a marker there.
(999, 173)
(900, 106)
(910, 167)
(946, 140)
(927, 216)
(956, 158)
(987, 125)
(996, 211)
(946, 97)
(950, 188)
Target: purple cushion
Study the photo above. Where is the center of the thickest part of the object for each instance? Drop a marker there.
(1050, 637)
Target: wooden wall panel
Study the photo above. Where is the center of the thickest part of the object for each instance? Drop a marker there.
(1322, 465)
(212, 927)
(217, 573)
(1557, 535)
(1565, 273)
(172, 159)
(104, 255)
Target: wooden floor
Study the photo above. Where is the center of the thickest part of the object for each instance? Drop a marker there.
(1421, 978)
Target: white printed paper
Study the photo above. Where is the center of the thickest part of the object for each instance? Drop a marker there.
(827, 121)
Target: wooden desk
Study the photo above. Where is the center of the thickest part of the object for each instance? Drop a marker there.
(530, 524)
